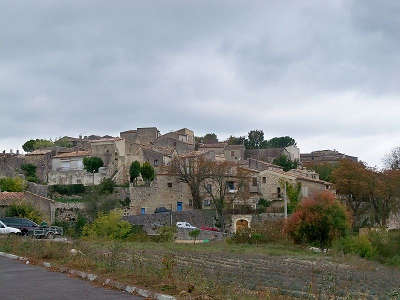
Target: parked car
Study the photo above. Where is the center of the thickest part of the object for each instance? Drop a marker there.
(26, 226)
(209, 228)
(4, 229)
(162, 209)
(185, 225)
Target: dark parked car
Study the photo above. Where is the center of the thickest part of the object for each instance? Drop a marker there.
(162, 209)
(26, 226)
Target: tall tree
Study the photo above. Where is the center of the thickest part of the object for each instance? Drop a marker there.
(285, 162)
(92, 164)
(147, 172)
(192, 170)
(210, 138)
(134, 171)
(353, 182)
(279, 142)
(28, 146)
(232, 140)
(218, 186)
(392, 160)
(255, 139)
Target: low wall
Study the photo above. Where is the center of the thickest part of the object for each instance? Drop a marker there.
(197, 218)
(38, 189)
(44, 205)
(68, 211)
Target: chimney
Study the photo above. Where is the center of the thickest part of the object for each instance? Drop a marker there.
(11, 151)
(17, 152)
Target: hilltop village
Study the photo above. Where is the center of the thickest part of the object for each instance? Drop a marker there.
(57, 165)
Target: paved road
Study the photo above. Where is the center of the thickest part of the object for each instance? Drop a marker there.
(26, 282)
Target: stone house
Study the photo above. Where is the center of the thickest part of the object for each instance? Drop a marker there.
(143, 136)
(234, 153)
(269, 154)
(42, 159)
(67, 168)
(181, 140)
(218, 148)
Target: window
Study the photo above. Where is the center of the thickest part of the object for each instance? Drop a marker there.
(278, 190)
(142, 211)
(209, 188)
(156, 162)
(264, 179)
(254, 179)
(206, 202)
(170, 184)
(232, 153)
(231, 185)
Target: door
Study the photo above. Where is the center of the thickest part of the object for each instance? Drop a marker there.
(143, 211)
(179, 206)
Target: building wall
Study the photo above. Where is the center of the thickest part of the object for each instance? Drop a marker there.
(45, 205)
(234, 155)
(160, 194)
(76, 177)
(179, 146)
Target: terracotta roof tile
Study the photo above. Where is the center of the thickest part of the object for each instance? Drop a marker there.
(73, 154)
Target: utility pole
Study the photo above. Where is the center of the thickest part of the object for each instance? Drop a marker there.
(171, 215)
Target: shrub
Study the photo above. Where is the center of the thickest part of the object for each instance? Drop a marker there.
(134, 171)
(387, 245)
(109, 227)
(318, 220)
(106, 186)
(92, 164)
(359, 245)
(147, 172)
(70, 189)
(30, 172)
(24, 211)
(9, 184)
(165, 234)
(194, 234)
(72, 228)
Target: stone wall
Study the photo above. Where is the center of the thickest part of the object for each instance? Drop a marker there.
(75, 177)
(38, 189)
(197, 218)
(10, 164)
(68, 211)
(164, 191)
(45, 205)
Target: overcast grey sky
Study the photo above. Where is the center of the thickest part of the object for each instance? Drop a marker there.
(324, 72)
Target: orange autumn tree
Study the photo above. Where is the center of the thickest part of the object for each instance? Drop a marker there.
(318, 220)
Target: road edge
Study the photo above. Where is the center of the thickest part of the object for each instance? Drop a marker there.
(91, 277)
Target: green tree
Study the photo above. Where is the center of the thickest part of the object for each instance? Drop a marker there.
(41, 143)
(63, 142)
(30, 172)
(293, 192)
(232, 140)
(210, 138)
(106, 186)
(92, 164)
(279, 142)
(108, 226)
(285, 162)
(147, 172)
(255, 139)
(9, 184)
(194, 234)
(134, 171)
(28, 146)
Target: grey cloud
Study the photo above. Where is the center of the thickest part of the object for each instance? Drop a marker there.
(319, 71)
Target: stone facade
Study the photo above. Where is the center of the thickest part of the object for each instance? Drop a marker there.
(164, 191)
(234, 153)
(325, 156)
(76, 177)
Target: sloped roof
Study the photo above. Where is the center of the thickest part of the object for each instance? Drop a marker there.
(8, 197)
(73, 154)
(39, 152)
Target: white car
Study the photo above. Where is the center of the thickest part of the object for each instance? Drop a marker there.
(185, 225)
(4, 229)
